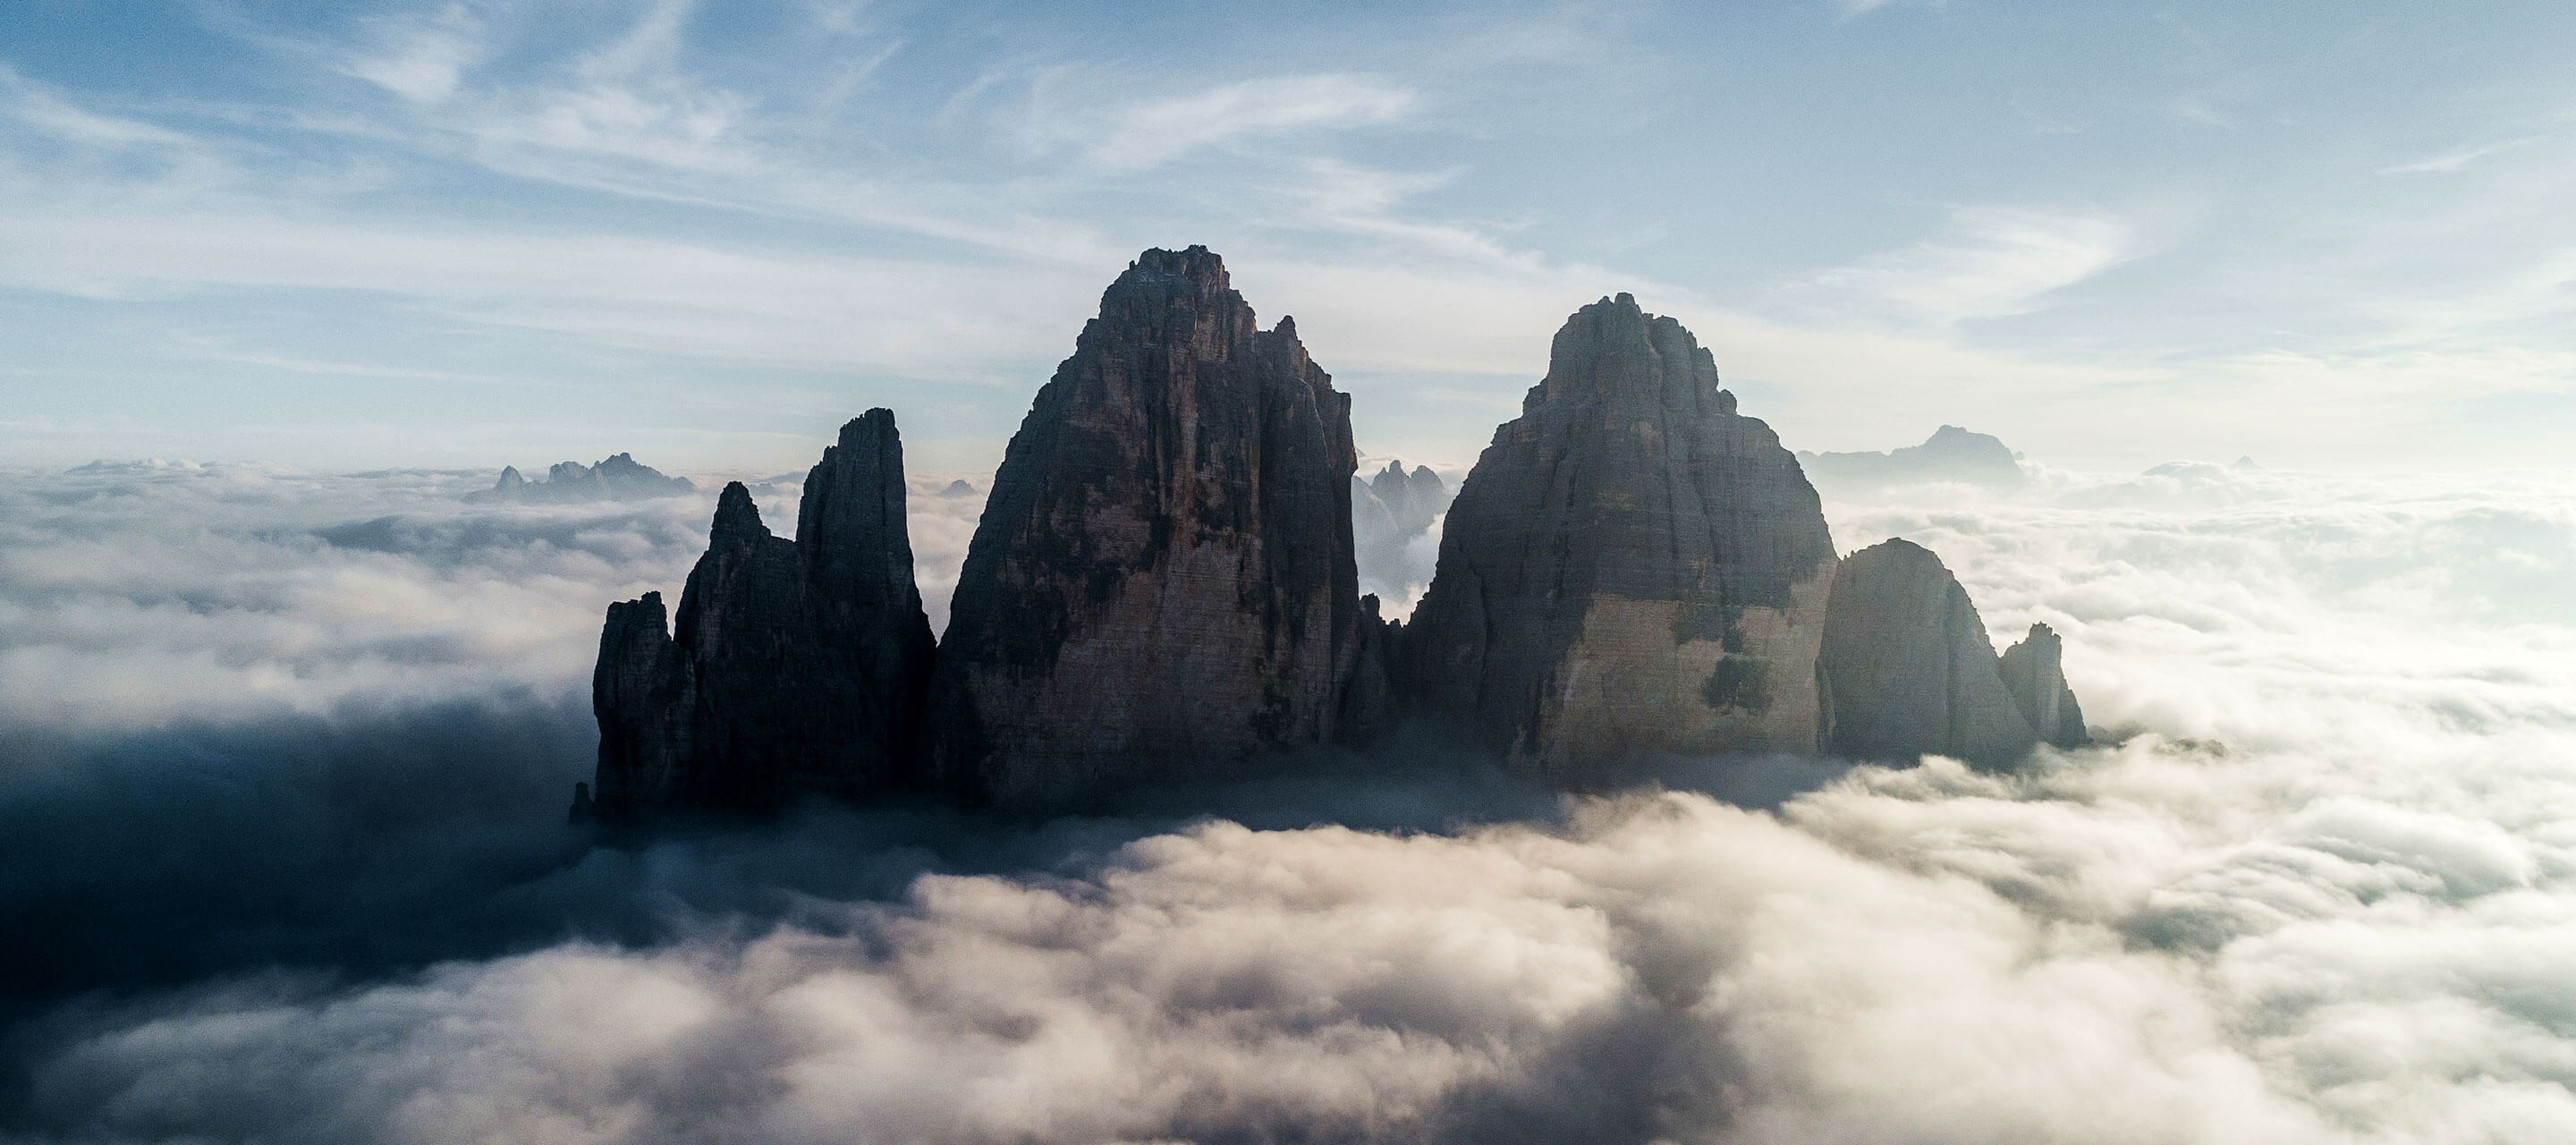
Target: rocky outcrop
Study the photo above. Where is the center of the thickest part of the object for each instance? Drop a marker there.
(1631, 566)
(1906, 669)
(1950, 454)
(618, 478)
(797, 667)
(1163, 575)
(2032, 672)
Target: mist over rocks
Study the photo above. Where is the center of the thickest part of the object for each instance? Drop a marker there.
(1631, 566)
(1395, 504)
(798, 668)
(1392, 515)
(1951, 454)
(1163, 573)
(618, 477)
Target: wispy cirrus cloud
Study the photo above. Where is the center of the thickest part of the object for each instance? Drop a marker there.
(1143, 135)
(1994, 262)
(421, 58)
(2457, 159)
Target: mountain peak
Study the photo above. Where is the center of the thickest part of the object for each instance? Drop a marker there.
(737, 518)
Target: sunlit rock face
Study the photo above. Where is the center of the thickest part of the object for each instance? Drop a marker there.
(1163, 575)
(798, 667)
(1906, 668)
(2035, 675)
(1631, 566)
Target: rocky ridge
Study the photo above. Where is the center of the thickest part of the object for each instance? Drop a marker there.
(1950, 454)
(616, 478)
(1163, 580)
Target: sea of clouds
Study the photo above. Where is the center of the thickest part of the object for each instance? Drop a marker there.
(282, 859)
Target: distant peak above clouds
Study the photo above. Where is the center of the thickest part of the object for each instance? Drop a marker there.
(618, 477)
(1951, 454)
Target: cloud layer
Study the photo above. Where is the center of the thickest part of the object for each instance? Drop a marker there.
(2323, 893)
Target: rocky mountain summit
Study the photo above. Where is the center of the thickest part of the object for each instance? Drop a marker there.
(1632, 565)
(798, 667)
(616, 478)
(1163, 575)
(1950, 454)
(1163, 582)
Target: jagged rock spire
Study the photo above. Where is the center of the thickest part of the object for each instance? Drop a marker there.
(798, 667)
(1163, 576)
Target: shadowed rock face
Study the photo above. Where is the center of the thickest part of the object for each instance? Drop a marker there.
(1906, 668)
(2033, 673)
(1163, 575)
(798, 667)
(1632, 565)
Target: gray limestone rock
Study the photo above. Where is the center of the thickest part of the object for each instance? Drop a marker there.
(1906, 668)
(1163, 575)
(2033, 673)
(797, 667)
(1631, 566)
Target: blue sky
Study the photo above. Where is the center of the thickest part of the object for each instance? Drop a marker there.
(344, 236)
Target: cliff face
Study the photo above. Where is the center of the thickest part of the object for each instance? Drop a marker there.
(797, 667)
(1631, 565)
(1163, 574)
(1906, 668)
(2032, 672)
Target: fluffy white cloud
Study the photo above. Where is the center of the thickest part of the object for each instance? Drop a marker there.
(136, 595)
(2323, 895)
